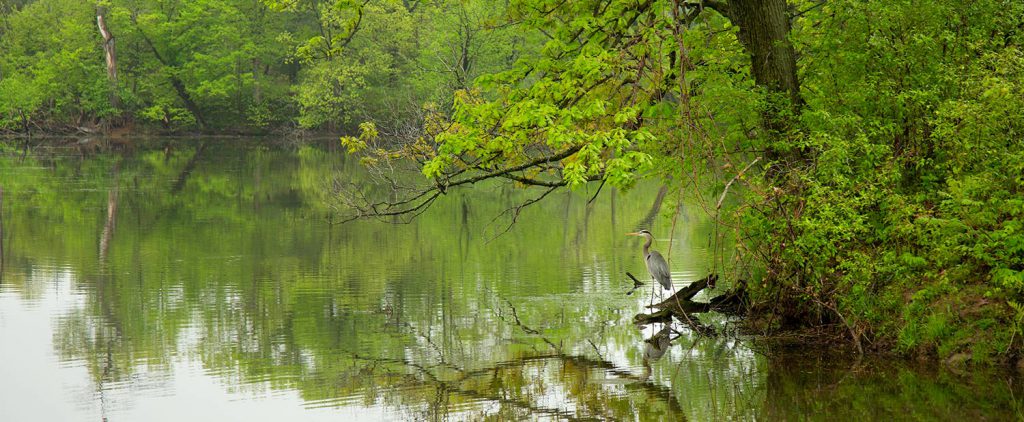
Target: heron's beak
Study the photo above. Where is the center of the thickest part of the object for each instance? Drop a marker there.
(632, 234)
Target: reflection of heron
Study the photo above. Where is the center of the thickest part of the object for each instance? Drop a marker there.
(656, 264)
(655, 347)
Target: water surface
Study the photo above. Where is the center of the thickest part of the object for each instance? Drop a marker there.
(202, 279)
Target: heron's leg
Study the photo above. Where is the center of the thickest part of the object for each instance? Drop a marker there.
(652, 293)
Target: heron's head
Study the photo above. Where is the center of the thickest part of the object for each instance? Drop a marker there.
(641, 233)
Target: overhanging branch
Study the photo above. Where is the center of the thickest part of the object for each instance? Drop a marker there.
(420, 199)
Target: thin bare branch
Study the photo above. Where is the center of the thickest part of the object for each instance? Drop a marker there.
(728, 185)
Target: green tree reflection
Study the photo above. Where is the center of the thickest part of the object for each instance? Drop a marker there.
(222, 252)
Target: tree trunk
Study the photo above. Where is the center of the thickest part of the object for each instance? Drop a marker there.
(190, 105)
(108, 45)
(764, 32)
(681, 306)
(257, 94)
(111, 55)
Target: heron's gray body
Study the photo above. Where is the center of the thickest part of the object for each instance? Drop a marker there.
(658, 268)
(656, 264)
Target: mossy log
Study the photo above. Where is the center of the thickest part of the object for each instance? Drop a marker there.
(681, 306)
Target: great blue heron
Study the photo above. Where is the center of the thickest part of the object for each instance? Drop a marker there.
(656, 264)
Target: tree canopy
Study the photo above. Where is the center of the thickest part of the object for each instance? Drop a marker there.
(242, 65)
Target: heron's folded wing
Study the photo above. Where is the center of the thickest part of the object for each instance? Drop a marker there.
(659, 268)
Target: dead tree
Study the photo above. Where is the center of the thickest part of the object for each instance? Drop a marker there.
(110, 54)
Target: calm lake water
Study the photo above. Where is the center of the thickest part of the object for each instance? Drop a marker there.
(200, 280)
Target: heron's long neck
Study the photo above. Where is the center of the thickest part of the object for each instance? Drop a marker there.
(647, 245)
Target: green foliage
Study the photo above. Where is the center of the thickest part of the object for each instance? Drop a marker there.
(891, 204)
(367, 133)
(224, 65)
(585, 97)
(51, 74)
(224, 56)
(383, 60)
(913, 205)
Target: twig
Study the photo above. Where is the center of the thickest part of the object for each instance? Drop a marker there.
(853, 333)
(598, 191)
(595, 349)
(519, 209)
(728, 185)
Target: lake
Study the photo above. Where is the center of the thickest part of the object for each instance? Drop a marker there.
(204, 279)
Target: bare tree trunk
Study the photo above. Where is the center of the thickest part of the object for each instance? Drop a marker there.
(108, 45)
(111, 54)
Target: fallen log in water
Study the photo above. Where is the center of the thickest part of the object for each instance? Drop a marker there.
(682, 307)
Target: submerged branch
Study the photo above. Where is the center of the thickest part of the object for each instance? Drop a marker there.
(528, 330)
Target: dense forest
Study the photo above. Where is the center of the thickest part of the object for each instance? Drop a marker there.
(865, 157)
(240, 66)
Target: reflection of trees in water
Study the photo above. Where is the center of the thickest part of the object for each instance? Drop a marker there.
(546, 383)
(227, 270)
(111, 221)
(525, 387)
(648, 220)
(809, 382)
(159, 285)
(3, 256)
